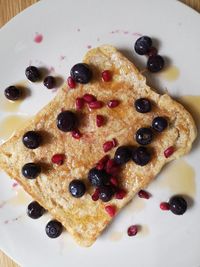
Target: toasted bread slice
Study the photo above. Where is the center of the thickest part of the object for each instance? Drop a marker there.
(84, 218)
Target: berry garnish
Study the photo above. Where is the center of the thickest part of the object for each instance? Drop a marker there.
(12, 93)
(32, 73)
(141, 156)
(95, 195)
(155, 63)
(143, 105)
(95, 105)
(79, 103)
(144, 136)
(108, 146)
(169, 151)
(100, 120)
(106, 75)
(88, 98)
(35, 210)
(122, 154)
(111, 210)
(143, 194)
(120, 194)
(53, 229)
(98, 177)
(50, 82)
(66, 121)
(81, 73)
(58, 159)
(143, 45)
(132, 230)
(105, 193)
(32, 139)
(159, 124)
(113, 103)
(31, 170)
(164, 206)
(77, 188)
(71, 83)
(178, 205)
(76, 134)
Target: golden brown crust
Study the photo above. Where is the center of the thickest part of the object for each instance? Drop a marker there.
(84, 218)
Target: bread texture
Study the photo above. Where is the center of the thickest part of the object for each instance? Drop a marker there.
(84, 218)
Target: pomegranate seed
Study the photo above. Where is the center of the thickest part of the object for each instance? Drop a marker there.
(102, 162)
(76, 134)
(58, 159)
(95, 105)
(79, 103)
(71, 83)
(132, 230)
(114, 142)
(111, 210)
(169, 151)
(100, 166)
(164, 206)
(114, 181)
(95, 195)
(113, 171)
(120, 194)
(106, 75)
(110, 163)
(143, 194)
(113, 103)
(99, 120)
(108, 146)
(152, 52)
(89, 98)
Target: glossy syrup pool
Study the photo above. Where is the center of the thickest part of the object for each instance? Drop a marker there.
(192, 104)
(21, 197)
(171, 73)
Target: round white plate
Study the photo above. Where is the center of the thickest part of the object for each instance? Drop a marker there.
(68, 29)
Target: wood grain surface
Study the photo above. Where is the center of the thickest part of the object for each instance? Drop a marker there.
(10, 8)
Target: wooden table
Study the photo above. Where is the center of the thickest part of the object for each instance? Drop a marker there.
(8, 9)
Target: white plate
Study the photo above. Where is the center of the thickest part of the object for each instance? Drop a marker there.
(68, 29)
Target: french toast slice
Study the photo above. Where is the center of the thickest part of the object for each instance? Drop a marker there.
(84, 218)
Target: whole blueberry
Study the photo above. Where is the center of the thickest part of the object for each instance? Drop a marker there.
(31, 139)
(66, 121)
(141, 156)
(98, 177)
(105, 193)
(54, 229)
(81, 73)
(159, 124)
(31, 170)
(34, 210)
(77, 188)
(144, 136)
(143, 45)
(12, 93)
(49, 82)
(143, 105)
(178, 205)
(122, 155)
(32, 73)
(155, 63)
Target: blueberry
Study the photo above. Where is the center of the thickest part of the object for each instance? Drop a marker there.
(66, 121)
(155, 63)
(143, 105)
(159, 124)
(144, 136)
(77, 188)
(105, 193)
(141, 156)
(31, 170)
(54, 229)
(143, 45)
(178, 205)
(34, 210)
(32, 73)
(81, 73)
(122, 155)
(12, 93)
(49, 82)
(98, 177)
(31, 139)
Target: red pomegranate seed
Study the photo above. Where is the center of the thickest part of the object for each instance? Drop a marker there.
(113, 103)
(100, 166)
(113, 171)
(114, 181)
(89, 98)
(106, 75)
(132, 230)
(152, 52)
(120, 194)
(143, 194)
(169, 151)
(108, 146)
(58, 159)
(164, 206)
(102, 162)
(71, 83)
(99, 120)
(95, 195)
(79, 103)
(110, 163)
(114, 142)
(111, 210)
(95, 105)
(76, 134)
